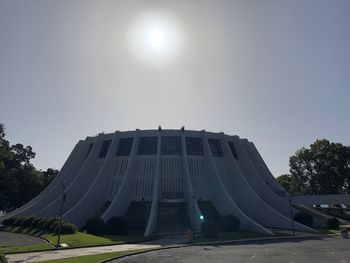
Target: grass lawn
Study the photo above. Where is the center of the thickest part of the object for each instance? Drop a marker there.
(78, 239)
(232, 236)
(93, 258)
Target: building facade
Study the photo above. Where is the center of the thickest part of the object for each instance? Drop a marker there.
(166, 179)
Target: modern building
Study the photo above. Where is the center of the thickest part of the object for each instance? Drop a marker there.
(163, 180)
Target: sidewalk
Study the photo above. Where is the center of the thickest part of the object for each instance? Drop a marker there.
(67, 253)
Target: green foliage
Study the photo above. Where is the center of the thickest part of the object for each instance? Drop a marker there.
(3, 259)
(209, 228)
(286, 181)
(117, 226)
(229, 223)
(324, 168)
(19, 180)
(332, 223)
(95, 226)
(50, 224)
(304, 218)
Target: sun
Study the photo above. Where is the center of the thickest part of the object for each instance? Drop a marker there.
(155, 38)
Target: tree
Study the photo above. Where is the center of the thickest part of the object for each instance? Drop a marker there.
(324, 168)
(285, 180)
(19, 180)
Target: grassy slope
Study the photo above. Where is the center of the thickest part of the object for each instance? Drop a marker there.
(78, 239)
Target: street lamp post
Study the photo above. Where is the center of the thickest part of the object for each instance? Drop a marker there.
(290, 205)
(193, 217)
(291, 213)
(63, 199)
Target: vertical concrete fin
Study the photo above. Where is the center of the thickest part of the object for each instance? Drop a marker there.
(191, 203)
(222, 200)
(93, 200)
(152, 219)
(54, 188)
(122, 199)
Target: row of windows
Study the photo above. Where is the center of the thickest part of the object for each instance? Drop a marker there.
(170, 145)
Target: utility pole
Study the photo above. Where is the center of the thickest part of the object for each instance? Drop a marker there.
(63, 199)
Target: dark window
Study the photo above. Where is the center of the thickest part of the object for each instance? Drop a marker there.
(194, 146)
(171, 145)
(148, 146)
(215, 147)
(124, 147)
(88, 152)
(233, 150)
(104, 148)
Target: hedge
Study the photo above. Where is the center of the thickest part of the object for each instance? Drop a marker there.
(304, 218)
(95, 226)
(332, 223)
(209, 228)
(50, 224)
(117, 226)
(229, 223)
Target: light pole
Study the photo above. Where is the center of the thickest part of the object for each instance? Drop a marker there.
(291, 213)
(290, 205)
(193, 217)
(63, 199)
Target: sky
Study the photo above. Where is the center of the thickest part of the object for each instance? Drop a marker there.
(276, 72)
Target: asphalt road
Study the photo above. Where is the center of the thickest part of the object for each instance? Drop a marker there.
(330, 249)
(12, 239)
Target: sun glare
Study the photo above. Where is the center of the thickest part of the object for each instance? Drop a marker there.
(155, 38)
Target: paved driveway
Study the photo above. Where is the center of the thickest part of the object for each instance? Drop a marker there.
(325, 250)
(12, 239)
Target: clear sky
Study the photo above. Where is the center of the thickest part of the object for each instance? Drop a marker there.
(275, 72)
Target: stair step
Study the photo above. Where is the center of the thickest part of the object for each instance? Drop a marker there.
(172, 219)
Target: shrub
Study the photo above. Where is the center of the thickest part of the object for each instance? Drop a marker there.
(66, 227)
(229, 223)
(28, 222)
(9, 221)
(42, 223)
(95, 226)
(304, 218)
(3, 259)
(117, 226)
(332, 223)
(209, 228)
(48, 223)
(38, 222)
(18, 221)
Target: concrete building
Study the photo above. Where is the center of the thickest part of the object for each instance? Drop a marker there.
(163, 180)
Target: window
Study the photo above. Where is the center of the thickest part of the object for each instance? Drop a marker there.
(233, 150)
(215, 147)
(194, 146)
(124, 147)
(89, 150)
(104, 148)
(171, 145)
(148, 146)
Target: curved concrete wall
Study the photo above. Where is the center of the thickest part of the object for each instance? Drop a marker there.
(105, 184)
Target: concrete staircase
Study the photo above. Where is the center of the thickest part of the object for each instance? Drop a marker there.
(172, 219)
